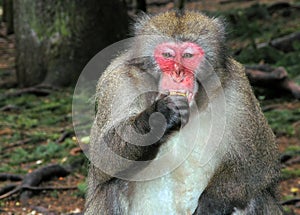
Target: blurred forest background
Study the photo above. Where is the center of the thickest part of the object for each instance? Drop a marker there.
(44, 46)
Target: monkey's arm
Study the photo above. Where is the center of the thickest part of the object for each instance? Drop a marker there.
(235, 191)
(123, 131)
(245, 180)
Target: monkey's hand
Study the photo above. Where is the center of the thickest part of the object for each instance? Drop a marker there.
(175, 109)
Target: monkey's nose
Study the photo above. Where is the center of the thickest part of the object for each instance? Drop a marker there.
(178, 75)
(177, 68)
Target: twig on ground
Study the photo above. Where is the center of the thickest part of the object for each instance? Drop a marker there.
(272, 78)
(34, 178)
(290, 201)
(64, 135)
(16, 144)
(7, 188)
(284, 43)
(10, 177)
(232, 1)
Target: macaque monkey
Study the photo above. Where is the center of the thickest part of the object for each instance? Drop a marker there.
(178, 129)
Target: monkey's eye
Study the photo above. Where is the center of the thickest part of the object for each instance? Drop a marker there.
(187, 55)
(167, 55)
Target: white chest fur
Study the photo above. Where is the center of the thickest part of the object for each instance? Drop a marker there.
(178, 192)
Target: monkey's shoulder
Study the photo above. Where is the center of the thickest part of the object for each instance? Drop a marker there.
(120, 72)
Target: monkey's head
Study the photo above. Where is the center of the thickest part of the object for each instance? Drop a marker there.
(179, 47)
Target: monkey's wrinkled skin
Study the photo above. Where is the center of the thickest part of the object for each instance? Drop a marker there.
(232, 169)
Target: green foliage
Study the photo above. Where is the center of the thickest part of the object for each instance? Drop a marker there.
(288, 174)
(268, 54)
(11, 138)
(291, 62)
(293, 150)
(287, 197)
(254, 25)
(18, 156)
(82, 187)
(6, 167)
(36, 111)
(288, 210)
(51, 150)
(41, 152)
(281, 120)
(54, 194)
(41, 121)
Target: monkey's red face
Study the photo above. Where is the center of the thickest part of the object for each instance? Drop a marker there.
(178, 63)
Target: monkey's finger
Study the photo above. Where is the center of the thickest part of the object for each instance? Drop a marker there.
(178, 102)
(162, 95)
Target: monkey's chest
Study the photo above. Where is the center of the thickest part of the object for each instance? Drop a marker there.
(178, 192)
(175, 193)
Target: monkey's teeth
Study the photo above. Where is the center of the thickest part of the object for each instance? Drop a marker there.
(178, 93)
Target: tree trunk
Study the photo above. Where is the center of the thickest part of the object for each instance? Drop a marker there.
(4, 11)
(8, 16)
(139, 5)
(55, 39)
(179, 4)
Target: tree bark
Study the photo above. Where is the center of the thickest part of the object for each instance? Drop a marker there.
(179, 4)
(284, 44)
(139, 5)
(55, 39)
(8, 16)
(275, 79)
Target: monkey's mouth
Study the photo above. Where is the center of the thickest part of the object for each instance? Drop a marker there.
(184, 88)
(189, 95)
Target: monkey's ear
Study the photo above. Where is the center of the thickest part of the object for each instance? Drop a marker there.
(221, 25)
(140, 22)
